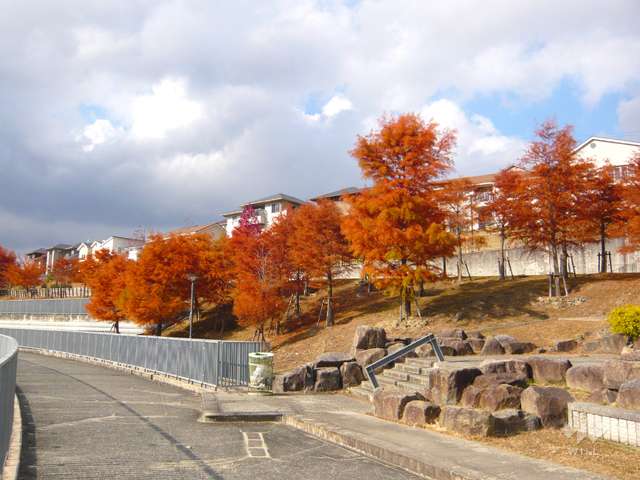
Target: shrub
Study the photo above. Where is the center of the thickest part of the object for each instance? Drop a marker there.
(626, 320)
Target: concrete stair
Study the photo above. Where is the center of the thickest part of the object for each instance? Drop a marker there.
(411, 375)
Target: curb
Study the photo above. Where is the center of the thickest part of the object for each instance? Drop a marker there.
(352, 441)
(12, 462)
(222, 417)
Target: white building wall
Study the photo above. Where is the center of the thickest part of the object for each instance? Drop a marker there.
(601, 151)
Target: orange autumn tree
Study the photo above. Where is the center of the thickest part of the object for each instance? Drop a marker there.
(499, 209)
(26, 274)
(158, 288)
(547, 203)
(7, 259)
(261, 272)
(397, 224)
(105, 273)
(66, 271)
(631, 206)
(602, 208)
(457, 198)
(318, 245)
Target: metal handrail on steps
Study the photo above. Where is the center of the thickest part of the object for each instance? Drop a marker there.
(392, 357)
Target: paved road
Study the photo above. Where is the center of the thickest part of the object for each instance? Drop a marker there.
(88, 422)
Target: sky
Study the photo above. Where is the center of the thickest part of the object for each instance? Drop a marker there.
(152, 114)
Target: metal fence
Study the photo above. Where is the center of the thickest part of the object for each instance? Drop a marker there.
(8, 364)
(208, 362)
(62, 306)
(47, 292)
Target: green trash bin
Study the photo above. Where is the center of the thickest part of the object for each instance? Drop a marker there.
(260, 373)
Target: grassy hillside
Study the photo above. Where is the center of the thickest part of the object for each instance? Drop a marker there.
(489, 305)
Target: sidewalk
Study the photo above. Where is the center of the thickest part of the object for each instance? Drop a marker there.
(343, 420)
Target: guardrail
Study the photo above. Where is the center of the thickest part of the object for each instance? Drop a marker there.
(8, 365)
(397, 355)
(207, 362)
(63, 306)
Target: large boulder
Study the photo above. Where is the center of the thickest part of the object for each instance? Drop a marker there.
(547, 370)
(453, 333)
(607, 344)
(499, 397)
(419, 412)
(631, 354)
(516, 379)
(367, 357)
(587, 377)
(492, 347)
(519, 367)
(548, 403)
(604, 396)
(351, 374)
(333, 359)
(471, 397)
(468, 421)
(511, 421)
(475, 335)
(328, 379)
(448, 383)
(565, 345)
(367, 337)
(629, 395)
(301, 378)
(390, 405)
(617, 372)
(518, 348)
(455, 346)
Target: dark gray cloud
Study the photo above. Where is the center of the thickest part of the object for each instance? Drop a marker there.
(160, 113)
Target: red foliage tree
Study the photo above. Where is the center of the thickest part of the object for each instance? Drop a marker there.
(602, 208)
(318, 245)
(397, 224)
(500, 208)
(105, 273)
(261, 273)
(66, 271)
(7, 258)
(631, 207)
(158, 288)
(26, 274)
(548, 201)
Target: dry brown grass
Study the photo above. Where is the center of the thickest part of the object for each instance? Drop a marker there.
(488, 305)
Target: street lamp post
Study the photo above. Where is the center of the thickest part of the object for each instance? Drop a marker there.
(192, 278)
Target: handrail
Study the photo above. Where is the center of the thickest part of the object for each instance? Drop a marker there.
(392, 357)
(8, 365)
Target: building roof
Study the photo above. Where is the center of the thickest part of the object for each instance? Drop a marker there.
(39, 251)
(274, 198)
(337, 194)
(608, 140)
(193, 229)
(61, 246)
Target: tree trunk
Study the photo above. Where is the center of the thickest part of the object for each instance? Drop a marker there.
(556, 270)
(116, 326)
(306, 287)
(421, 292)
(297, 297)
(159, 329)
(603, 247)
(407, 302)
(444, 267)
(459, 257)
(329, 322)
(502, 259)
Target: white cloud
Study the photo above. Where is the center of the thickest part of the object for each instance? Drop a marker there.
(336, 105)
(97, 133)
(481, 148)
(166, 108)
(629, 117)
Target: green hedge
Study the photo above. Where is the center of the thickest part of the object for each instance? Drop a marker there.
(626, 320)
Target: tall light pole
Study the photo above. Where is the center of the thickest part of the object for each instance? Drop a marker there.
(192, 278)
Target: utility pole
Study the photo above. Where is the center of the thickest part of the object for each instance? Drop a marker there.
(192, 278)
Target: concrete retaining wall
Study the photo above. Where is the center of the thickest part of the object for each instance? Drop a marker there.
(610, 423)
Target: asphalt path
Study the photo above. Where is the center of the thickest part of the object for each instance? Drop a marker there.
(83, 421)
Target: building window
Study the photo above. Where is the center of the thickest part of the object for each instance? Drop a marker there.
(620, 172)
(276, 207)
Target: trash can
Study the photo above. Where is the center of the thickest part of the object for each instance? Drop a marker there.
(260, 373)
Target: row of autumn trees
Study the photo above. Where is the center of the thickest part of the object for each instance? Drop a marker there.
(25, 274)
(397, 229)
